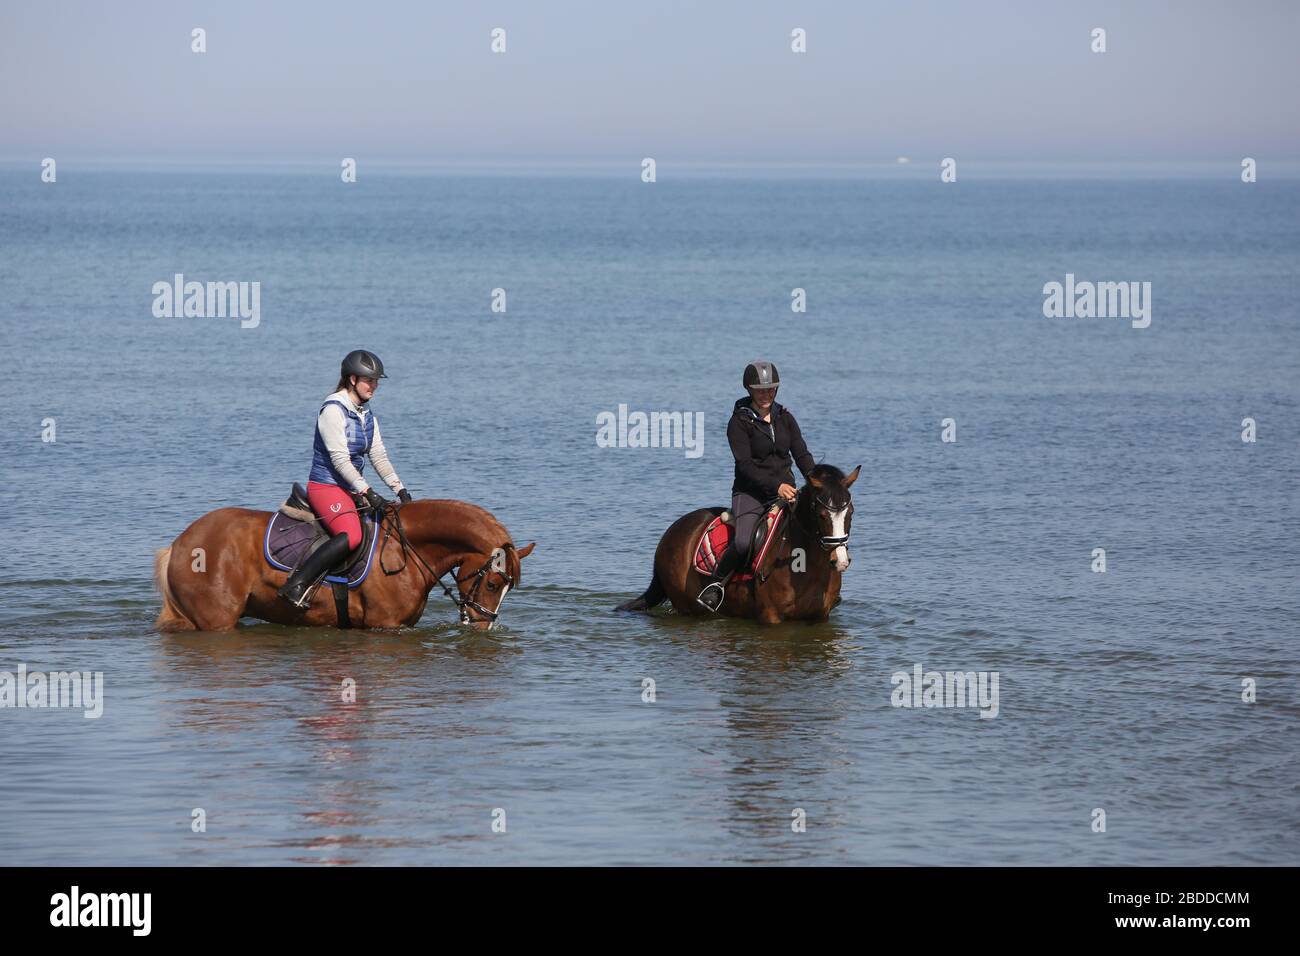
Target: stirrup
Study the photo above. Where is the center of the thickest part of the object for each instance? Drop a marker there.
(314, 568)
(704, 601)
(303, 600)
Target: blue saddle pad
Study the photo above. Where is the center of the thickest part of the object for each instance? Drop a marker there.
(287, 540)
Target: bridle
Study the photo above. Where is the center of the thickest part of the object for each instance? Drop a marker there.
(392, 521)
(828, 542)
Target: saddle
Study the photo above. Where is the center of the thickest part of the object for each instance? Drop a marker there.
(717, 538)
(294, 532)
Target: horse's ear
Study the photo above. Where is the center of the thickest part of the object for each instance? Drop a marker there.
(853, 476)
(814, 481)
(526, 550)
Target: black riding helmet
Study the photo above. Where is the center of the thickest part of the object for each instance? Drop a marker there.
(364, 364)
(761, 375)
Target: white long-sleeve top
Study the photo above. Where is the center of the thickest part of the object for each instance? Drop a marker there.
(332, 425)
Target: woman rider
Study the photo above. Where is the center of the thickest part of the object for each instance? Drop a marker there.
(346, 431)
(763, 436)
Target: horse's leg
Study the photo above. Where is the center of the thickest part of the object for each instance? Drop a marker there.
(774, 602)
(823, 590)
(831, 596)
(790, 595)
(211, 569)
(389, 601)
(675, 561)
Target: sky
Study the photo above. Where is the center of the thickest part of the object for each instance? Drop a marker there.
(688, 82)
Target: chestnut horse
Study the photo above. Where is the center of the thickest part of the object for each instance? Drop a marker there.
(418, 543)
(806, 562)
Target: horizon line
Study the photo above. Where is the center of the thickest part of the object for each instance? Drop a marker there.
(912, 166)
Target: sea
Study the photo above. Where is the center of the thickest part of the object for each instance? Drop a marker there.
(1097, 515)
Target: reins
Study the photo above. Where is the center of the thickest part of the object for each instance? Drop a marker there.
(827, 542)
(776, 552)
(392, 520)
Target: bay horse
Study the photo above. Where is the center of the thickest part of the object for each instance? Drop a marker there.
(810, 555)
(419, 543)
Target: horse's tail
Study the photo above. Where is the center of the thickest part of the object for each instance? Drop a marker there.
(654, 596)
(171, 618)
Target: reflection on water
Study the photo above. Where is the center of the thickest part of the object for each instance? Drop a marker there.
(748, 726)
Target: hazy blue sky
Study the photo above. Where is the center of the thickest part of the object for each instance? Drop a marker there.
(700, 81)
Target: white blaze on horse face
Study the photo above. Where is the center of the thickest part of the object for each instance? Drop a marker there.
(841, 554)
(504, 590)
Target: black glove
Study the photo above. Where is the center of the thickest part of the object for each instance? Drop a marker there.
(404, 496)
(376, 503)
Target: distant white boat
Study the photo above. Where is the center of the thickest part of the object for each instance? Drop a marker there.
(902, 160)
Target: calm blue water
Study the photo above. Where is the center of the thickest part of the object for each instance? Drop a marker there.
(1118, 691)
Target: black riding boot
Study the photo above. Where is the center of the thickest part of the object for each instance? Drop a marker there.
(314, 566)
(714, 589)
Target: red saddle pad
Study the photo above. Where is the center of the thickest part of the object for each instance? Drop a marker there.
(717, 537)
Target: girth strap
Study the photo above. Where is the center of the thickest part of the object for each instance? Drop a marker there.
(341, 603)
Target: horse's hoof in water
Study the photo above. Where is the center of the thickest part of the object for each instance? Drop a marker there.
(711, 597)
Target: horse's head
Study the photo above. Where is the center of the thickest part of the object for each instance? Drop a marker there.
(484, 580)
(826, 497)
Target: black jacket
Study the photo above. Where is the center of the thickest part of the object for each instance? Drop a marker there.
(763, 450)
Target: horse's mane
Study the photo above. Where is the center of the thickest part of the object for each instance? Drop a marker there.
(495, 530)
